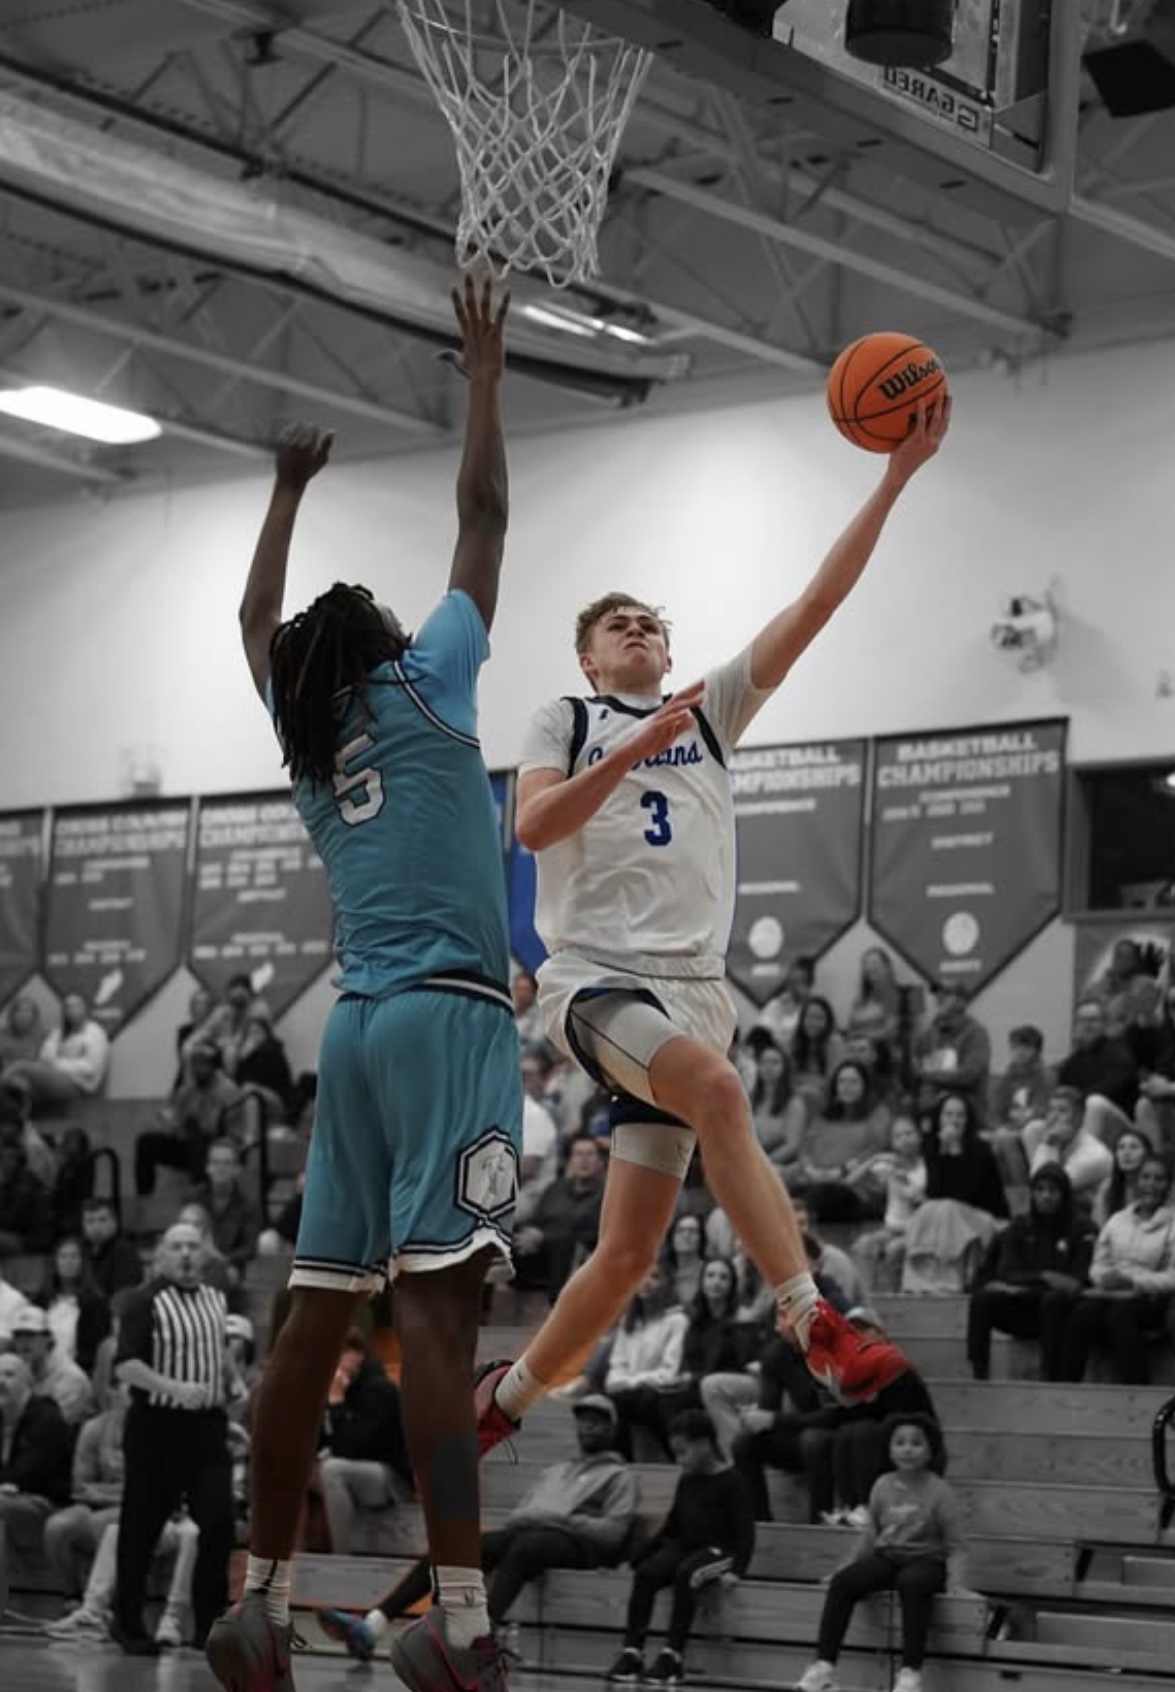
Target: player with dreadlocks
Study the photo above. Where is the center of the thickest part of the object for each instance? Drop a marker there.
(414, 1156)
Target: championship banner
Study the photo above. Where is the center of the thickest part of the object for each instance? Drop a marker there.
(966, 854)
(22, 855)
(262, 906)
(799, 813)
(115, 903)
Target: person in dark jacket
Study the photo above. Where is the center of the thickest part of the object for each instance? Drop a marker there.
(959, 1164)
(364, 1457)
(707, 1538)
(566, 1221)
(1102, 1069)
(115, 1262)
(1040, 1258)
(35, 1461)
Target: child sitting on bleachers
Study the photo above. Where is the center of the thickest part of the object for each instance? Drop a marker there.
(706, 1539)
(902, 1168)
(911, 1544)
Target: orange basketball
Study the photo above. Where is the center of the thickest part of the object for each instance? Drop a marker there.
(875, 386)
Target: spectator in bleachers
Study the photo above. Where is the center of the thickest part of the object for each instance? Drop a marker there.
(233, 1218)
(949, 1233)
(879, 1063)
(524, 989)
(93, 1620)
(171, 1352)
(579, 1514)
(201, 1005)
(881, 1252)
(645, 1357)
(79, 1315)
(1020, 1094)
(1153, 1050)
(715, 1340)
(816, 1050)
(684, 1257)
(1041, 1259)
(911, 1543)
(283, 1233)
(35, 1447)
(1063, 1137)
(113, 1260)
(540, 1136)
(16, 1123)
(778, 1112)
(73, 1533)
(769, 1364)
(1120, 1187)
(706, 1541)
(262, 1066)
(53, 1374)
(839, 1146)
(224, 1027)
(12, 1303)
(874, 1011)
(21, 1033)
(72, 1062)
(566, 1221)
(780, 1016)
(363, 1459)
(25, 1214)
(1132, 1281)
(1124, 986)
(952, 1057)
(73, 1181)
(193, 1119)
(1102, 1070)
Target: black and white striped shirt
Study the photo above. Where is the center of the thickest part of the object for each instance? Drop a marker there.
(179, 1333)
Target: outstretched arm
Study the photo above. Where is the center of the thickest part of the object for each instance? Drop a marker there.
(302, 451)
(483, 490)
(788, 635)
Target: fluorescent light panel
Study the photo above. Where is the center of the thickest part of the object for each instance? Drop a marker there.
(578, 323)
(55, 408)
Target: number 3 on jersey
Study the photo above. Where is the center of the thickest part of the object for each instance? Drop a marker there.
(659, 831)
(359, 794)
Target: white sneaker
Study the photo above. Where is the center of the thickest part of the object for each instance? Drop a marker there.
(909, 1680)
(821, 1677)
(80, 1624)
(170, 1632)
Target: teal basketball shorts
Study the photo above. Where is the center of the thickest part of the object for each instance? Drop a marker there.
(414, 1158)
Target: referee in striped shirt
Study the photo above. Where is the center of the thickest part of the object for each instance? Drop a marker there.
(171, 1354)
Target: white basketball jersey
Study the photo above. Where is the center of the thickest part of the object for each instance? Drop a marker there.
(648, 883)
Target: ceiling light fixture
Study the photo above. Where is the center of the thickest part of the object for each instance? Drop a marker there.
(55, 408)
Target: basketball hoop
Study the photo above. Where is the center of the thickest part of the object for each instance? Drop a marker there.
(537, 104)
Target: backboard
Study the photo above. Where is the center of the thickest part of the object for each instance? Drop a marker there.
(995, 125)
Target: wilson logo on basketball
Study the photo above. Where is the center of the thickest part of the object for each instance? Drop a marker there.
(897, 384)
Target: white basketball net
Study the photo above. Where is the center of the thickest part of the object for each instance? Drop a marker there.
(537, 105)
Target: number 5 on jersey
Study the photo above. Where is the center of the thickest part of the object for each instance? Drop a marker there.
(659, 831)
(359, 794)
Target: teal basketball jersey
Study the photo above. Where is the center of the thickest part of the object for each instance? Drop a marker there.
(408, 829)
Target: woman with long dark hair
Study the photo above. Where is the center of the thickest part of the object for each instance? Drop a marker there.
(79, 1316)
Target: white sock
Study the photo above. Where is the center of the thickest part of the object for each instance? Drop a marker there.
(376, 1622)
(461, 1594)
(271, 1576)
(519, 1391)
(797, 1299)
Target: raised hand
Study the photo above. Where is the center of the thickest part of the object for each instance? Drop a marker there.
(483, 351)
(667, 724)
(927, 433)
(302, 450)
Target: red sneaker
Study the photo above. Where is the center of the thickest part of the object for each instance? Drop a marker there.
(851, 1365)
(493, 1424)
